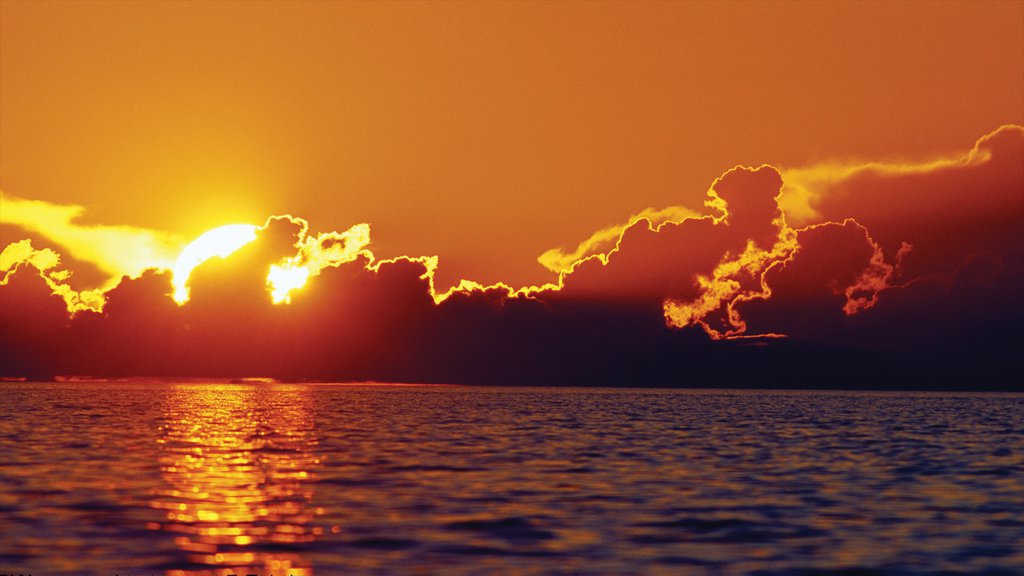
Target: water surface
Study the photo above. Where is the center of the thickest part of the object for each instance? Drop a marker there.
(301, 479)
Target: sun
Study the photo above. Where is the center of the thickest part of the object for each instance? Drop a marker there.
(283, 279)
(217, 242)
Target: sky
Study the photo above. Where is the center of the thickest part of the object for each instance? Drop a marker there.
(808, 175)
(484, 133)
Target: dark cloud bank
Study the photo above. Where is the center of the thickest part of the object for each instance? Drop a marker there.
(906, 279)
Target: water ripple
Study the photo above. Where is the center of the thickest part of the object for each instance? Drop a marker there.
(295, 479)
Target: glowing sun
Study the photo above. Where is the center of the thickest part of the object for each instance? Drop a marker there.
(220, 242)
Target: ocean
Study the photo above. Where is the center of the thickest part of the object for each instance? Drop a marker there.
(176, 478)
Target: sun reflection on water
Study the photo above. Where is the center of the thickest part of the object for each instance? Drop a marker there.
(237, 462)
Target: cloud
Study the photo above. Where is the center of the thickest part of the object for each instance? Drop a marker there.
(23, 253)
(327, 249)
(807, 187)
(45, 262)
(33, 316)
(600, 243)
(117, 250)
(898, 276)
(930, 216)
(947, 208)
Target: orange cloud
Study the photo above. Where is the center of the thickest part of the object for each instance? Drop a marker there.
(932, 214)
(600, 243)
(314, 253)
(45, 262)
(739, 276)
(807, 187)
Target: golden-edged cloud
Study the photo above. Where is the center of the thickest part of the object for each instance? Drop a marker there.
(807, 186)
(600, 243)
(45, 262)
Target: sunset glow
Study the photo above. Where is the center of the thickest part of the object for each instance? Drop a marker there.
(514, 287)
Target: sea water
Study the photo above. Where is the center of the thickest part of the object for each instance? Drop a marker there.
(277, 479)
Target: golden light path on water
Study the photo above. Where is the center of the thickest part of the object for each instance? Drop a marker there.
(237, 468)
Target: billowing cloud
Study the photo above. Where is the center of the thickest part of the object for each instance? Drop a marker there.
(918, 221)
(879, 275)
(45, 263)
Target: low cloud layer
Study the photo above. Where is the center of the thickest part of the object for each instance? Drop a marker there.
(873, 275)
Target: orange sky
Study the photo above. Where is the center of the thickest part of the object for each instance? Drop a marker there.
(484, 133)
